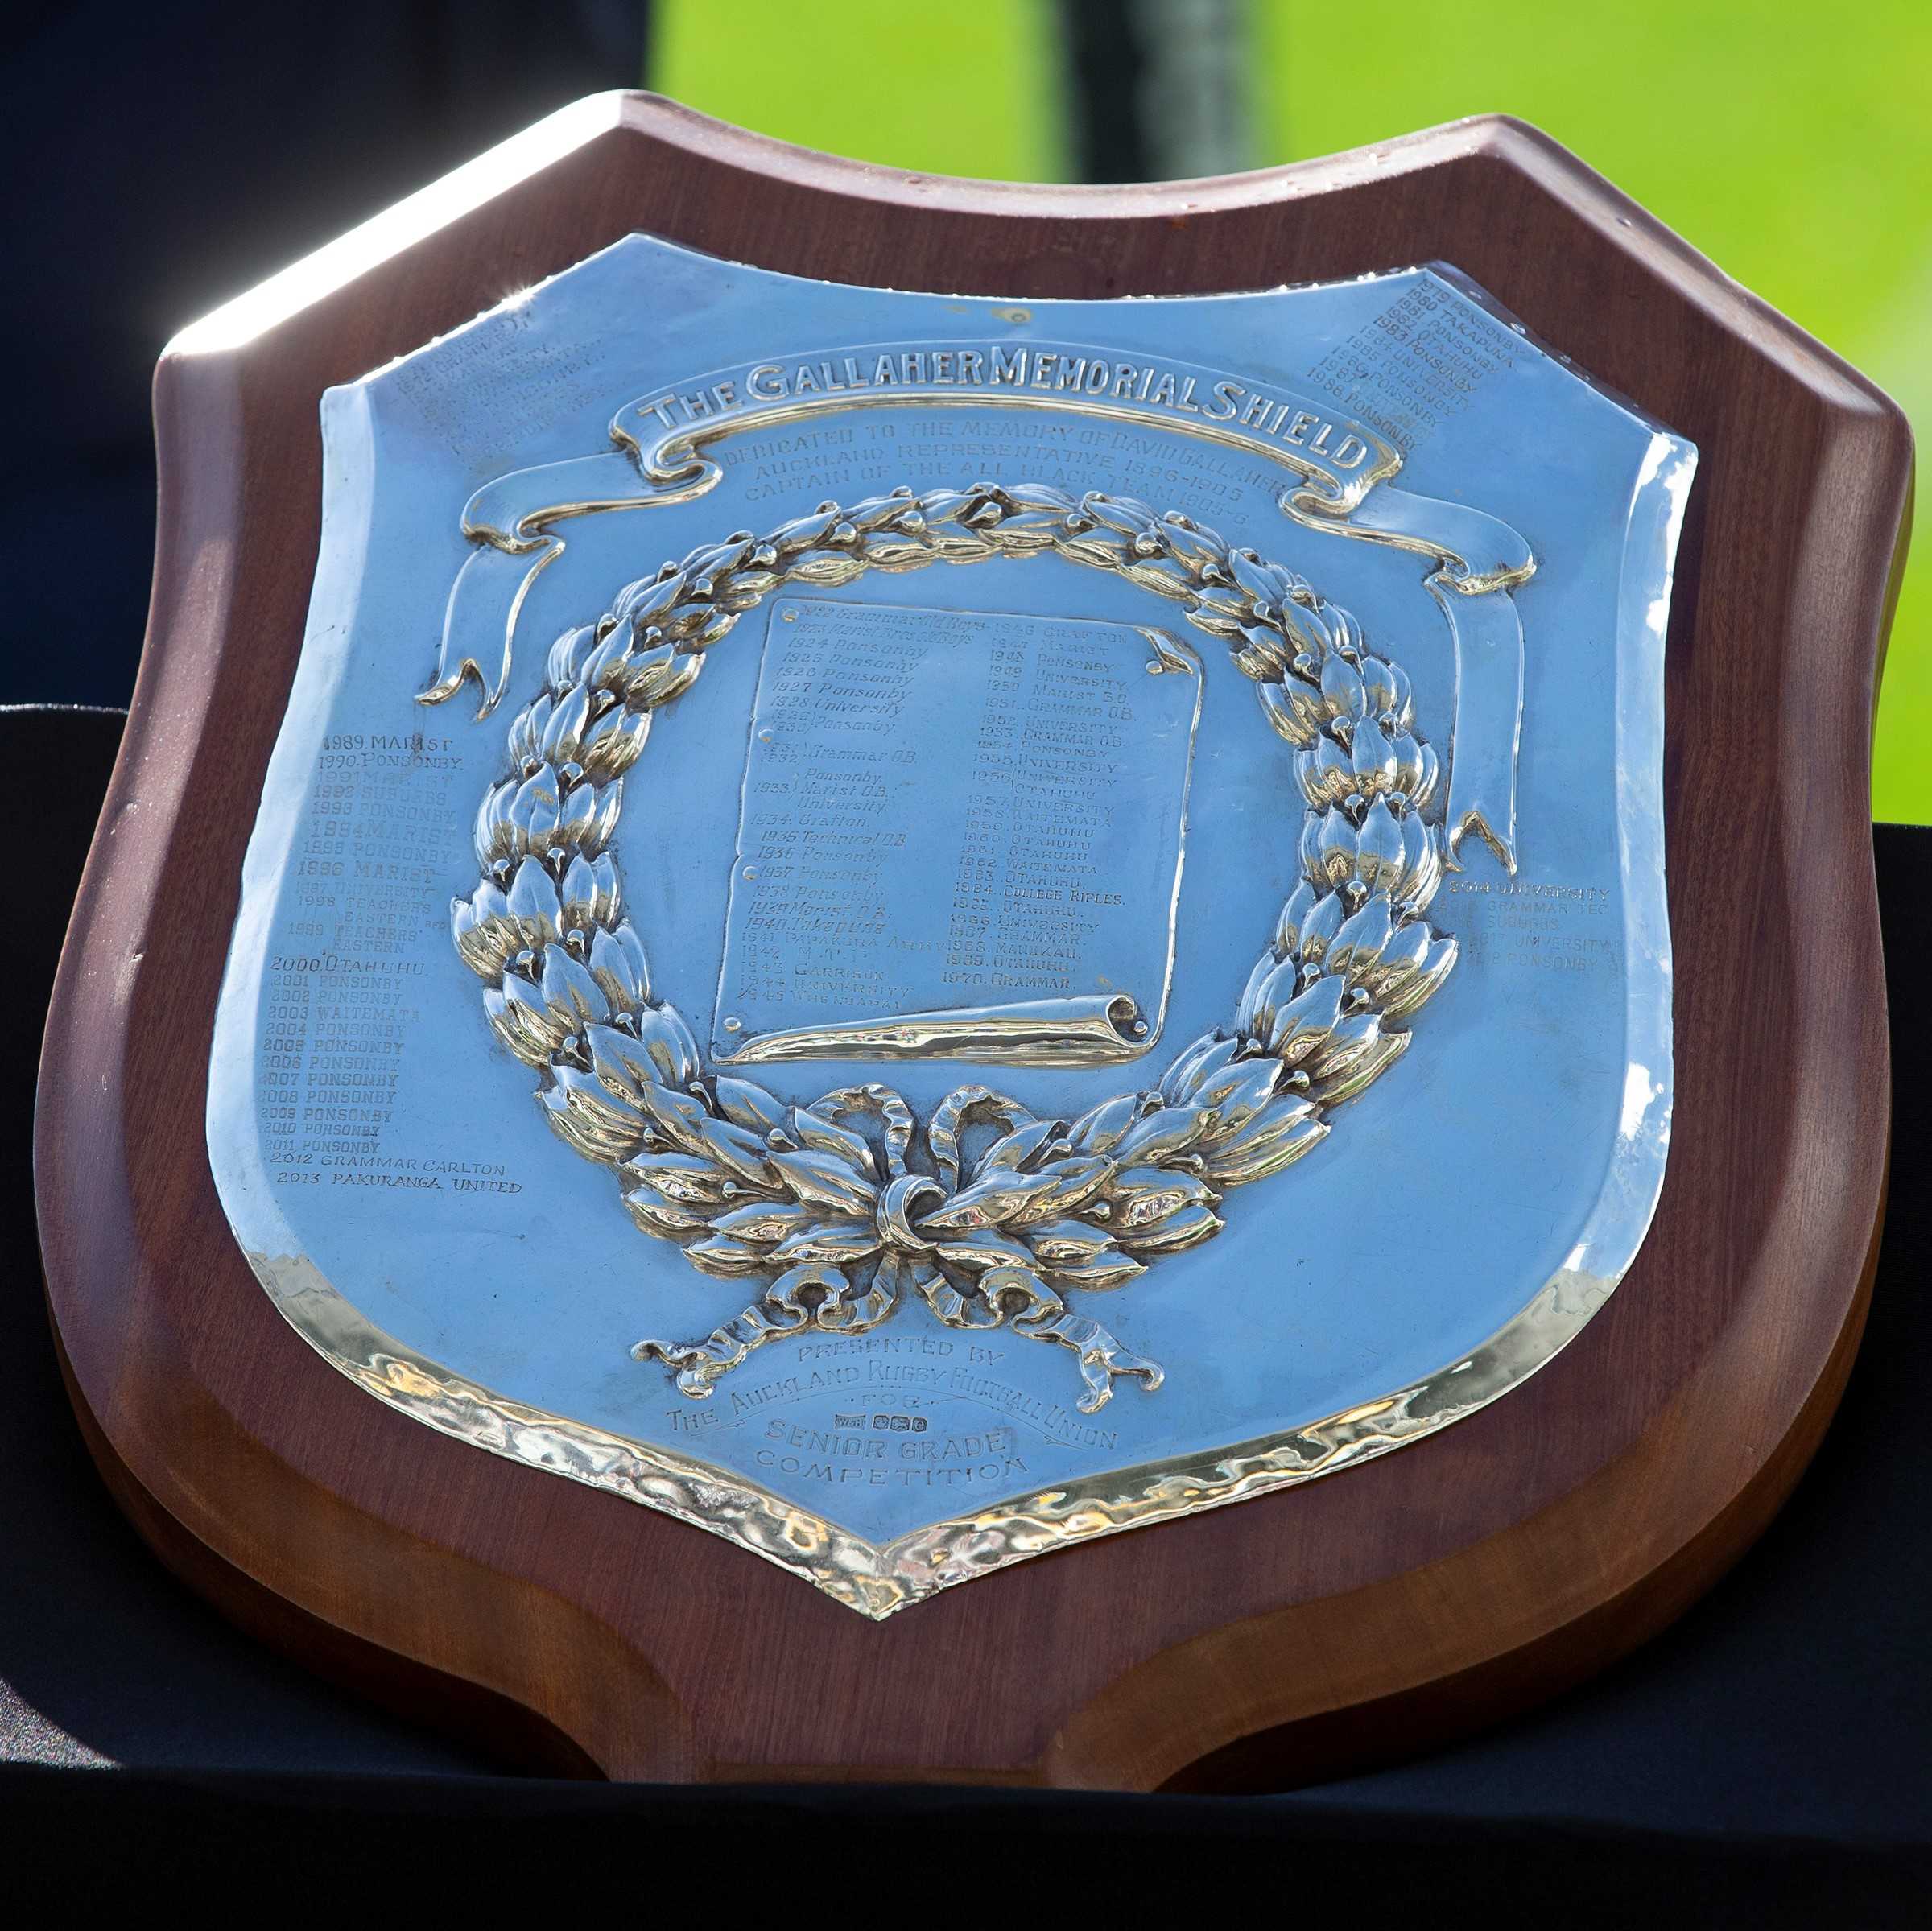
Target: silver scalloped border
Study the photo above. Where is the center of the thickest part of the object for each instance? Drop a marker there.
(878, 1579)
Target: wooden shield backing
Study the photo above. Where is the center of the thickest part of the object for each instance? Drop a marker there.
(1303, 1632)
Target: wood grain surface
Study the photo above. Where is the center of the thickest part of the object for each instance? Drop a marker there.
(1298, 1634)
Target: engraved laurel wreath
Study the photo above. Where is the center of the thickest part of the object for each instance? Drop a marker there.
(843, 1207)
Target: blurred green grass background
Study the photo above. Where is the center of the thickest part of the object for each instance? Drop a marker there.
(1791, 143)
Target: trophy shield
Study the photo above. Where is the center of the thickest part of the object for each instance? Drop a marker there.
(872, 888)
(1092, 916)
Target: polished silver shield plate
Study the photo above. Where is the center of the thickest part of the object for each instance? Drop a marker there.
(915, 928)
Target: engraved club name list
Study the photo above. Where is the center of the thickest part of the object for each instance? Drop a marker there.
(344, 984)
(957, 813)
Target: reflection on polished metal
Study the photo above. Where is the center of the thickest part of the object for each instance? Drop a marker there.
(1019, 826)
(838, 1228)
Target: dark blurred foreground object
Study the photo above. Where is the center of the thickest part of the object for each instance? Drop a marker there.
(1422, 1594)
(1762, 1764)
(176, 156)
(1159, 90)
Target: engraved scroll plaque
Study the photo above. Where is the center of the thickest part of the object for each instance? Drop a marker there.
(960, 838)
(915, 930)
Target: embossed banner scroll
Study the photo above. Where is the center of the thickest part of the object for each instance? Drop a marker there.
(1341, 470)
